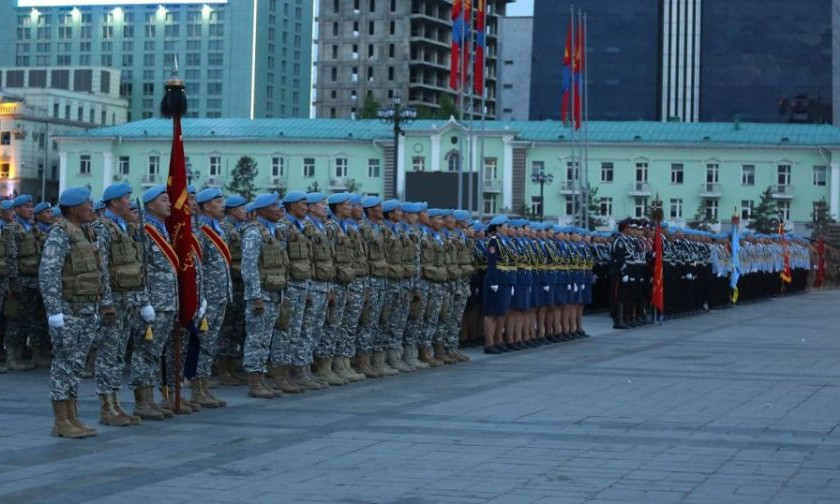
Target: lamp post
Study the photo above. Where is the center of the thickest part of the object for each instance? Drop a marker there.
(542, 178)
(397, 115)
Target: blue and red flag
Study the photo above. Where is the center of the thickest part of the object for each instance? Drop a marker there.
(567, 75)
(577, 72)
(480, 42)
(461, 13)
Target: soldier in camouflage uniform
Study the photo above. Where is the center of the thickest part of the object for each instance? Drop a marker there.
(462, 254)
(232, 337)
(123, 294)
(418, 287)
(436, 273)
(70, 281)
(217, 291)
(398, 248)
(357, 294)
(5, 220)
(450, 292)
(264, 274)
(162, 291)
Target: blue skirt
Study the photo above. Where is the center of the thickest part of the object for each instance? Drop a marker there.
(495, 304)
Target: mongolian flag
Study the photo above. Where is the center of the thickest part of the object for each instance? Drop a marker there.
(460, 28)
(657, 297)
(480, 42)
(577, 72)
(567, 75)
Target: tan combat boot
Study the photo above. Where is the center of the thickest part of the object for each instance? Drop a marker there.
(62, 426)
(459, 355)
(149, 394)
(199, 396)
(256, 388)
(205, 384)
(412, 352)
(381, 367)
(341, 367)
(396, 362)
(108, 415)
(142, 409)
(280, 382)
(304, 378)
(225, 376)
(426, 357)
(133, 419)
(323, 370)
(364, 367)
(168, 404)
(73, 416)
(441, 355)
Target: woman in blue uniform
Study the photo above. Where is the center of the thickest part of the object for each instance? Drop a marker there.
(498, 283)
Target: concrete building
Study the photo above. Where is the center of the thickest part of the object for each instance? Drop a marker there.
(389, 47)
(239, 58)
(39, 104)
(515, 43)
(716, 167)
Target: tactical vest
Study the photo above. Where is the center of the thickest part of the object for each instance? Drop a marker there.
(376, 254)
(81, 277)
(4, 267)
(273, 264)
(345, 258)
(393, 254)
(28, 251)
(433, 260)
(321, 254)
(360, 264)
(125, 260)
(465, 259)
(408, 256)
(451, 258)
(300, 253)
(234, 243)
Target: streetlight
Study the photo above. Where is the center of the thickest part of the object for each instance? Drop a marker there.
(398, 115)
(542, 178)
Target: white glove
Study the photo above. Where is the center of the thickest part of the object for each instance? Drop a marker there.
(582, 286)
(576, 288)
(568, 287)
(546, 288)
(202, 308)
(56, 321)
(148, 313)
(625, 278)
(494, 288)
(511, 290)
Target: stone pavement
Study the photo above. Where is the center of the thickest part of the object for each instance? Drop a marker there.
(737, 406)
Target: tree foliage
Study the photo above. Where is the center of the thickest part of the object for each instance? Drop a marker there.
(370, 108)
(765, 217)
(242, 179)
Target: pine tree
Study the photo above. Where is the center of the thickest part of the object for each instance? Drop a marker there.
(593, 210)
(820, 218)
(370, 108)
(242, 180)
(313, 187)
(765, 217)
(352, 186)
(702, 218)
(447, 107)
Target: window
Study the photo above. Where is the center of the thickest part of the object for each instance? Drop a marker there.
(571, 205)
(676, 208)
(124, 165)
(784, 209)
(215, 166)
(748, 175)
(605, 207)
(712, 170)
(746, 209)
(639, 207)
(711, 209)
(489, 203)
(373, 168)
(4, 170)
(819, 175)
(491, 166)
(309, 167)
(572, 171)
(641, 172)
(537, 167)
(6, 138)
(783, 175)
(84, 164)
(418, 163)
(677, 173)
(536, 205)
(154, 166)
(278, 167)
(341, 167)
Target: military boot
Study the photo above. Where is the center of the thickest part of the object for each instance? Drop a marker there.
(199, 395)
(395, 361)
(133, 419)
(283, 383)
(62, 426)
(142, 409)
(256, 388)
(410, 359)
(413, 352)
(302, 378)
(149, 396)
(323, 370)
(226, 377)
(307, 372)
(363, 365)
(41, 356)
(168, 403)
(341, 367)
(205, 385)
(108, 415)
(73, 416)
(380, 366)
(15, 362)
(458, 355)
(441, 355)
(426, 357)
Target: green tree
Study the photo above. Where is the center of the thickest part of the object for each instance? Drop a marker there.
(702, 218)
(352, 186)
(313, 187)
(593, 210)
(242, 180)
(820, 218)
(765, 217)
(447, 107)
(370, 108)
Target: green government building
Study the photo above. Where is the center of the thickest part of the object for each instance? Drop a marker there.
(717, 169)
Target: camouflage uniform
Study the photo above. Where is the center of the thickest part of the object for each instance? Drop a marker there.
(418, 290)
(292, 347)
(232, 338)
(162, 291)
(435, 272)
(4, 272)
(323, 275)
(460, 285)
(370, 337)
(217, 290)
(71, 284)
(346, 344)
(339, 293)
(260, 341)
(397, 289)
(122, 288)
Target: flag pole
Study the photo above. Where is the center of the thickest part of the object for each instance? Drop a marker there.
(585, 87)
(461, 76)
(575, 161)
(481, 173)
(471, 110)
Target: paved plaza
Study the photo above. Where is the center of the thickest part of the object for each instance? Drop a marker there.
(735, 406)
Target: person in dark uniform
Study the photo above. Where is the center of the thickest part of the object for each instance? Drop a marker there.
(619, 276)
(496, 297)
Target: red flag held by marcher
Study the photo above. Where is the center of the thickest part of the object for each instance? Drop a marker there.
(657, 297)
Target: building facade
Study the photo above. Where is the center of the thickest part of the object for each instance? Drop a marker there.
(40, 104)
(240, 58)
(717, 168)
(392, 47)
(694, 60)
(515, 55)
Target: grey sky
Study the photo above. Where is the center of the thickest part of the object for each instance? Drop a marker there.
(521, 8)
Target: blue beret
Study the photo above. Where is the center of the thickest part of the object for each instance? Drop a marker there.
(390, 205)
(498, 220)
(371, 201)
(477, 226)
(191, 189)
(249, 207)
(339, 198)
(56, 211)
(21, 200)
(422, 206)
(7, 204)
(115, 191)
(445, 212)
(153, 192)
(409, 207)
(74, 196)
(355, 199)
(437, 212)
(314, 197)
(235, 201)
(40, 207)
(208, 194)
(294, 197)
(265, 200)
(461, 215)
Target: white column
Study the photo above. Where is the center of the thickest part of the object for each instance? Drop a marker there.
(62, 171)
(507, 173)
(834, 195)
(696, 63)
(666, 34)
(434, 155)
(107, 169)
(399, 170)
